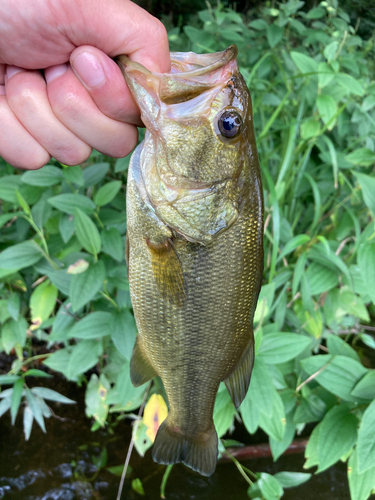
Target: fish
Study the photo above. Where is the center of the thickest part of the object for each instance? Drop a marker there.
(194, 244)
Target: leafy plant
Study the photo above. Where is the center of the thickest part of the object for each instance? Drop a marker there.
(63, 278)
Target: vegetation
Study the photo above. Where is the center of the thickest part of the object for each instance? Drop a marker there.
(64, 295)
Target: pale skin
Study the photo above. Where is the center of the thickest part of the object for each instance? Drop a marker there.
(61, 93)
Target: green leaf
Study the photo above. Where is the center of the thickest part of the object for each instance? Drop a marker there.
(14, 306)
(330, 51)
(360, 484)
(291, 479)
(337, 436)
(294, 243)
(123, 331)
(69, 202)
(365, 388)
(7, 217)
(42, 303)
(61, 279)
(16, 399)
(58, 361)
(366, 262)
(224, 412)
(304, 63)
(278, 447)
(261, 388)
(316, 13)
(326, 74)
(366, 440)
(367, 184)
(281, 347)
(95, 173)
(49, 394)
(310, 128)
(86, 285)
(28, 418)
(311, 452)
(21, 255)
(8, 379)
(270, 487)
(66, 227)
(274, 34)
(8, 186)
(321, 278)
(137, 486)
(92, 326)
(327, 108)
(87, 233)
(274, 423)
(95, 398)
(112, 243)
(107, 192)
(363, 157)
(34, 372)
(337, 374)
(36, 409)
(23, 203)
(46, 176)
(250, 415)
(4, 406)
(84, 356)
(337, 345)
(74, 175)
(349, 83)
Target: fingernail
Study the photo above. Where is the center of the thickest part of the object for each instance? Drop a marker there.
(89, 69)
(55, 71)
(12, 70)
(2, 89)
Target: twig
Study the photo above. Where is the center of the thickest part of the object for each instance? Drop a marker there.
(314, 375)
(369, 328)
(131, 445)
(342, 244)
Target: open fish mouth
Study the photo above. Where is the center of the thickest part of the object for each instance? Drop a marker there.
(191, 74)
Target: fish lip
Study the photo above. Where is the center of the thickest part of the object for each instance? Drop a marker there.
(216, 59)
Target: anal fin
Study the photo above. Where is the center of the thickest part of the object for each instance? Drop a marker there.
(239, 380)
(167, 270)
(141, 370)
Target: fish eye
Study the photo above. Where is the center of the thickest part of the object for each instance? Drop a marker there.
(230, 124)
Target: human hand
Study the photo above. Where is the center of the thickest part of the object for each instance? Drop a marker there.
(80, 101)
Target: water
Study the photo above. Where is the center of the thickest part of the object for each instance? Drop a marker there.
(60, 465)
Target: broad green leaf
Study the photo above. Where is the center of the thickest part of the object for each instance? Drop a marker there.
(46, 176)
(316, 13)
(274, 34)
(337, 436)
(86, 285)
(8, 379)
(367, 184)
(274, 423)
(12, 333)
(16, 399)
(337, 374)
(8, 186)
(42, 303)
(250, 415)
(278, 447)
(330, 51)
(95, 173)
(261, 388)
(311, 452)
(84, 356)
(366, 262)
(137, 486)
(34, 372)
(112, 244)
(21, 255)
(326, 74)
(74, 175)
(310, 128)
(107, 192)
(58, 361)
(360, 484)
(14, 306)
(327, 108)
(92, 326)
(224, 412)
(124, 396)
(366, 440)
(270, 487)
(337, 345)
(292, 479)
(294, 243)
(349, 83)
(305, 64)
(95, 398)
(7, 217)
(61, 279)
(87, 232)
(66, 227)
(321, 278)
(365, 388)
(282, 346)
(363, 157)
(119, 277)
(123, 332)
(69, 202)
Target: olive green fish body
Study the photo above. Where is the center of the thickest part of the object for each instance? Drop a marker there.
(195, 230)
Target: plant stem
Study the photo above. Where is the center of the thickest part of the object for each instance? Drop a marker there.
(164, 481)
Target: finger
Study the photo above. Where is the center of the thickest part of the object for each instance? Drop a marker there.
(2, 74)
(26, 93)
(17, 146)
(103, 79)
(73, 106)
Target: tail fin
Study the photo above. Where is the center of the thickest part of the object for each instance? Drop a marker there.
(199, 453)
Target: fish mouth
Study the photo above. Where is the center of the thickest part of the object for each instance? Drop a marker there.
(191, 74)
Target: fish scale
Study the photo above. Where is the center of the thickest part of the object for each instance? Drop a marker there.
(194, 297)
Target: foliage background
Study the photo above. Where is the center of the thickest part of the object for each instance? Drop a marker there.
(64, 294)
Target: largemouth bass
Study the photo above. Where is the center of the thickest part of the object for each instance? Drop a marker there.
(195, 244)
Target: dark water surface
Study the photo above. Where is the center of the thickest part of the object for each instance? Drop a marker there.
(59, 465)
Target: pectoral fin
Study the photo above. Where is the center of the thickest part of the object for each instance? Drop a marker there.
(141, 370)
(167, 271)
(239, 380)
